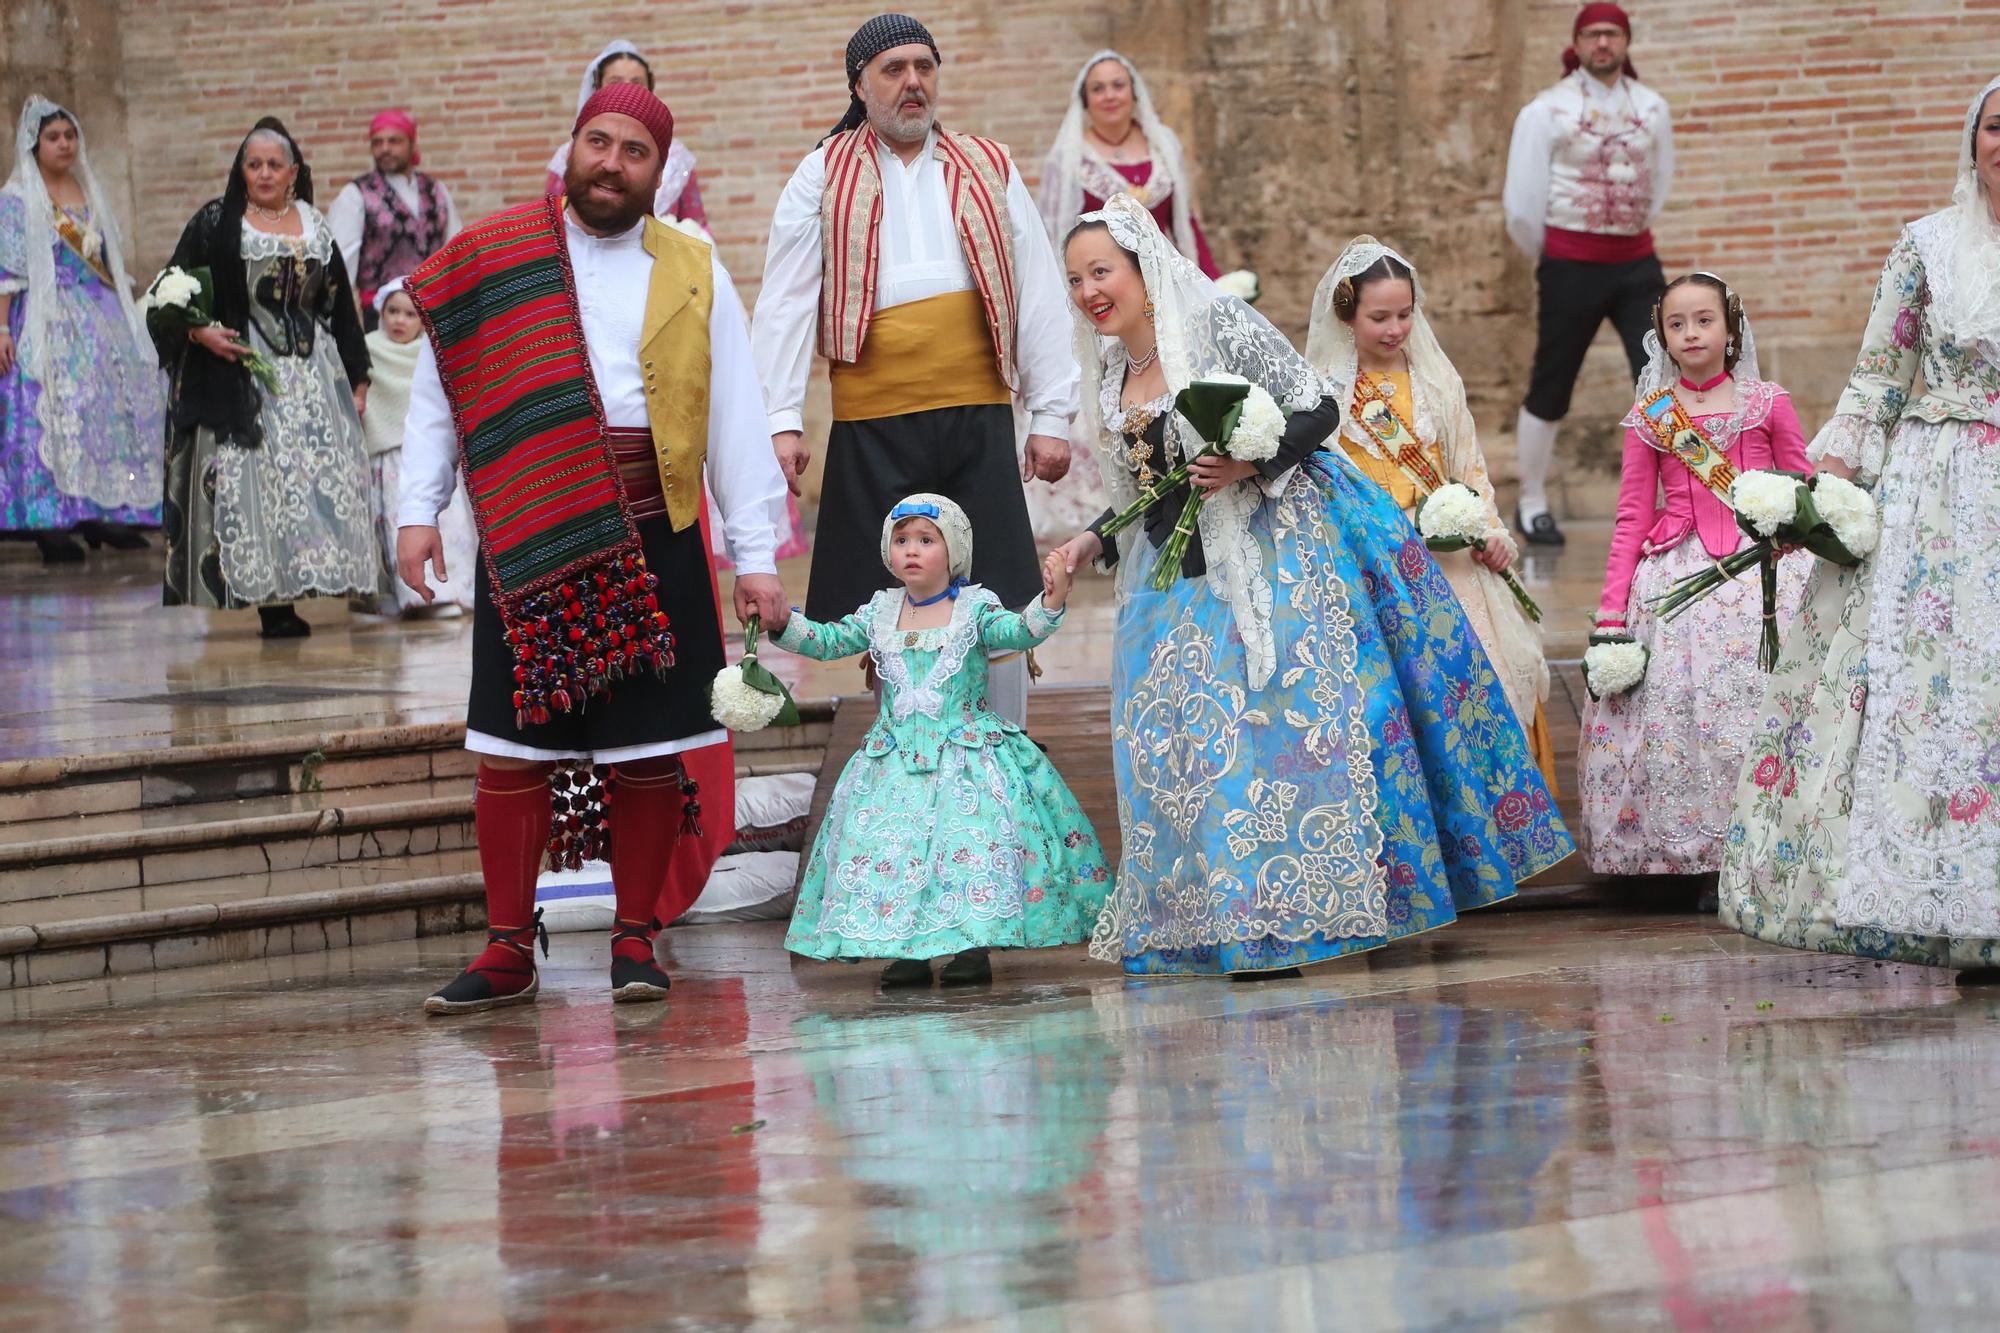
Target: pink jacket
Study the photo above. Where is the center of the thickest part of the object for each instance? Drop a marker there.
(1649, 525)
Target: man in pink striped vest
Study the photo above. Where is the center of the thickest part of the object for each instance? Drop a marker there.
(911, 257)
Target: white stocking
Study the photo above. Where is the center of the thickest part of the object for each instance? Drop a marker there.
(1535, 443)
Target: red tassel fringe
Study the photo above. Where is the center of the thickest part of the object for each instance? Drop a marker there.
(572, 641)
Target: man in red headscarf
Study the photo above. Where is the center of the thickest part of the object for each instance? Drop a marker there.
(1588, 171)
(395, 217)
(590, 367)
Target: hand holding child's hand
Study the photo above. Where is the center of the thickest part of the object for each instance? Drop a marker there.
(1056, 580)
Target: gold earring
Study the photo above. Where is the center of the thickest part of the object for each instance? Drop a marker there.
(1149, 308)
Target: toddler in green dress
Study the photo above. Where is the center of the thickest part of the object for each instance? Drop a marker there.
(949, 831)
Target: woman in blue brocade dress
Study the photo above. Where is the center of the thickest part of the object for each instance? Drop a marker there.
(1314, 755)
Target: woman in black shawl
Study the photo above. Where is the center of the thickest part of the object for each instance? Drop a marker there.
(267, 476)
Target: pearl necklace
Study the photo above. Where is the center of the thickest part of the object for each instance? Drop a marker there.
(1139, 365)
(268, 214)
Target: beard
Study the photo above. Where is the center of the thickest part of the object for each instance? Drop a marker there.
(392, 163)
(890, 124)
(601, 214)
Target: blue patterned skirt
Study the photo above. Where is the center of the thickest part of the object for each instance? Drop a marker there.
(1376, 787)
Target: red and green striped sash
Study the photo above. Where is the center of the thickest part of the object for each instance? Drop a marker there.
(569, 577)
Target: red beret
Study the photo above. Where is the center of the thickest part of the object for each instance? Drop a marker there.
(634, 100)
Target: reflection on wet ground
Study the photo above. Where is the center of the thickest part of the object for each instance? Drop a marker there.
(1557, 1119)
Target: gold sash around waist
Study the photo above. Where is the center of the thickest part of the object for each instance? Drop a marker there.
(920, 356)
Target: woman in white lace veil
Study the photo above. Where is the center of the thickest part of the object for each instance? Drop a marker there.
(85, 405)
(1867, 820)
(1284, 710)
(1433, 398)
(1657, 766)
(679, 195)
(1077, 178)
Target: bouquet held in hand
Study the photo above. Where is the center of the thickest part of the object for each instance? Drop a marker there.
(1453, 518)
(1235, 418)
(747, 697)
(1614, 664)
(1827, 515)
(180, 300)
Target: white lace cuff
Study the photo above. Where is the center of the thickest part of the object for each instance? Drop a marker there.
(793, 634)
(1040, 620)
(1853, 440)
(10, 286)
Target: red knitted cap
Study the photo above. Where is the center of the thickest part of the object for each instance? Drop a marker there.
(634, 100)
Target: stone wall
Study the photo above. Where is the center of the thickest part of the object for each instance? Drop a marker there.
(1807, 133)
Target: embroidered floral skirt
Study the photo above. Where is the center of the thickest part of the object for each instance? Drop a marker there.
(987, 850)
(1867, 819)
(85, 444)
(1657, 766)
(1377, 786)
(285, 519)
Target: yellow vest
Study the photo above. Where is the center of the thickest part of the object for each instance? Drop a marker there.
(674, 358)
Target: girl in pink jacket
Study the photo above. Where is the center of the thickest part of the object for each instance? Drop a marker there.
(1657, 765)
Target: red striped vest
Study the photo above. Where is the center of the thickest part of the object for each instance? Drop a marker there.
(850, 217)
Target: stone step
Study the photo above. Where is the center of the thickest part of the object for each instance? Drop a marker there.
(65, 786)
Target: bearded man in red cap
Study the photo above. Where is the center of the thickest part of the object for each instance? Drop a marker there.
(1588, 171)
(588, 366)
(395, 217)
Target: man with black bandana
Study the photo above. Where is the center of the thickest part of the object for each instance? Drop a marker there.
(913, 259)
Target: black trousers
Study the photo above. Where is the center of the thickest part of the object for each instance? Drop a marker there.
(639, 710)
(1574, 300)
(965, 454)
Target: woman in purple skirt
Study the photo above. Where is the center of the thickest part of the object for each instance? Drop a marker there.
(82, 405)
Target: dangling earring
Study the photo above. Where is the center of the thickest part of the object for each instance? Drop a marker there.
(1729, 348)
(291, 193)
(1149, 310)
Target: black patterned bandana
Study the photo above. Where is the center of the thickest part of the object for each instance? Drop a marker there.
(882, 33)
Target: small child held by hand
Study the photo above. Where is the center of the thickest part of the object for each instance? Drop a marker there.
(949, 831)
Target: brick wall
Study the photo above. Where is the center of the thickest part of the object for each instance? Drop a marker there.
(1807, 130)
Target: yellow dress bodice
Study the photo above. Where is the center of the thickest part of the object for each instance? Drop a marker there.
(1383, 473)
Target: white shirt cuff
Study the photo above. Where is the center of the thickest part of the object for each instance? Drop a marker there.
(1048, 423)
(787, 420)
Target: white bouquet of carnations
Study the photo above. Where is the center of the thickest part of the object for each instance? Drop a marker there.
(1233, 417)
(1241, 284)
(1827, 515)
(747, 697)
(1453, 518)
(179, 301)
(1613, 664)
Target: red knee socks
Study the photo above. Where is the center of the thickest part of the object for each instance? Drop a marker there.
(510, 814)
(646, 811)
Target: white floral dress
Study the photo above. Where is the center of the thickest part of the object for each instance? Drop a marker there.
(1866, 819)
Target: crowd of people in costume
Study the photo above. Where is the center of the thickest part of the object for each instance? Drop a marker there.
(1329, 696)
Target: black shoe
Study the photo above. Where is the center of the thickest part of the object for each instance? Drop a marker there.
(118, 536)
(1542, 532)
(281, 622)
(635, 980)
(58, 548)
(906, 972)
(1281, 974)
(504, 974)
(971, 968)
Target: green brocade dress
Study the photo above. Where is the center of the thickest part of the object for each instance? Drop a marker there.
(948, 830)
